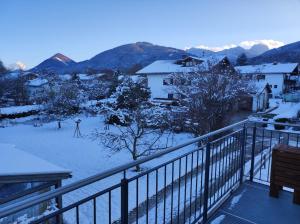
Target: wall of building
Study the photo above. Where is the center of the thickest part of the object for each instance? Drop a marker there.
(273, 80)
(155, 83)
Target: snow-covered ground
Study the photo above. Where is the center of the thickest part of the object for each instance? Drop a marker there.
(83, 156)
(285, 109)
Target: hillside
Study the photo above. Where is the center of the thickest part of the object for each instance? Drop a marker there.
(127, 58)
(57, 62)
(287, 53)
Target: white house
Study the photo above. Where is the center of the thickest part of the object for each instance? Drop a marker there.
(281, 77)
(36, 86)
(158, 72)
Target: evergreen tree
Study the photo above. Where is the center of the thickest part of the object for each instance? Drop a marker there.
(131, 95)
(2, 68)
(242, 60)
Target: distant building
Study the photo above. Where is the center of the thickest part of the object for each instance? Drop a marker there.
(281, 77)
(36, 86)
(159, 71)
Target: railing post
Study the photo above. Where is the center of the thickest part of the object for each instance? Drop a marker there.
(124, 201)
(243, 154)
(59, 204)
(206, 182)
(253, 153)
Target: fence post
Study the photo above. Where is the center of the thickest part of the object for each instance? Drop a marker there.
(124, 201)
(206, 182)
(253, 153)
(243, 154)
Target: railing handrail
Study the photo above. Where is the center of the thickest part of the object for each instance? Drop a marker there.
(275, 123)
(26, 203)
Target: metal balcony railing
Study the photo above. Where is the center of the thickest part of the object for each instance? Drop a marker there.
(181, 184)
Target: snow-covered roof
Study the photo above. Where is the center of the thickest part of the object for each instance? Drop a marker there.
(19, 109)
(37, 82)
(172, 66)
(15, 162)
(65, 77)
(267, 68)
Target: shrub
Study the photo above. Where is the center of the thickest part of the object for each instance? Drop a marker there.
(281, 120)
(268, 116)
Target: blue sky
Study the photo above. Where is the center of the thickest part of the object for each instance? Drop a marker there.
(33, 30)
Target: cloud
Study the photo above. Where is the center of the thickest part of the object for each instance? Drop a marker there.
(244, 44)
(270, 43)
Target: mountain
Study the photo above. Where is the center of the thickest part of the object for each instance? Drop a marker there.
(286, 53)
(232, 53)
(129, 57)
(256, 50)
(126, 58)
(57, 62)
(199, 52)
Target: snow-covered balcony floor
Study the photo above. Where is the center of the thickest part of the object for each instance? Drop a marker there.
(251, 204)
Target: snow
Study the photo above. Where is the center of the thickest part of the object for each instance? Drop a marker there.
(286, 109)
(17, 162)
(218, 220)
(170, 66)
(37, 82)
(267, 68)
(83, 156)
(235, 200)
(65, 77)
(19, 109)
(85, 77)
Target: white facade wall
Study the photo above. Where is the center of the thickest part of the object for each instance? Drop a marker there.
(273, 80)
(155, 83)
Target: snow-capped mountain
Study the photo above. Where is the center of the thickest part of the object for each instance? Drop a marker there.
(231, 53)
(57, 62)
(287, 53)
(200, 52)
(129, 57)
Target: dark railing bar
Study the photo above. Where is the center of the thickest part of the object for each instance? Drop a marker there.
(137, 201)
(172, 196)
(109, 208)
(165, 192)
(164, 164)
(206, 182)
(156, 196)
(71, 206)
(275, 123)
(95, 210)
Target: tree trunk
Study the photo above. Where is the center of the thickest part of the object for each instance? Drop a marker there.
(59, 124)
(137, 167)
(135, 155)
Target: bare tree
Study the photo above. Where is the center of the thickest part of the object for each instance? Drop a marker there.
(146, 134)
(208, 95)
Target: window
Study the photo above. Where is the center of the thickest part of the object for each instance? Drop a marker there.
(261, 77)
(170, 96)
(168, 81)
(275, 86)
(171, 81)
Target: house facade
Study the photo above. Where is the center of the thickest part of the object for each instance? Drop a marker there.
(281, 77)
(158, 73)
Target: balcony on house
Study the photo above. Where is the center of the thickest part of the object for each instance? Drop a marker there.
(220, 177)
